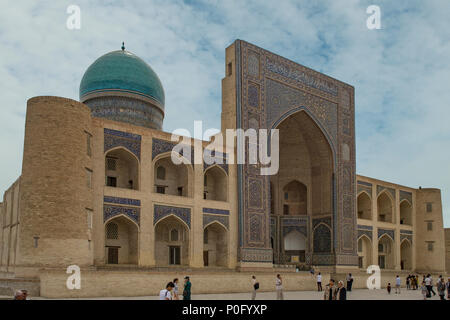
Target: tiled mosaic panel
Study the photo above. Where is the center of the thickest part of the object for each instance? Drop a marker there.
(216, 211)
(123, 201)
(322, 239)
(162, 146)
(110, 211)
(209, 218)
(130, 141)
(404, 195)
(161, 211)
(389, 232)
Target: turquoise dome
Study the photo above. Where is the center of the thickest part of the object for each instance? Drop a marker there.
(122, 71)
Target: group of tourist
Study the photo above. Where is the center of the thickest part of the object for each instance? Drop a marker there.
(341, 289)
(443, 288)
(171, 292)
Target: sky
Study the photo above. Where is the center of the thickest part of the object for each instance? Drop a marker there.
(401, 72)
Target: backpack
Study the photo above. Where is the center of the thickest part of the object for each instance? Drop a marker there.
(256, 286)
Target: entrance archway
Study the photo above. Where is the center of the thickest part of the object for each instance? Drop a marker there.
(386, 257)
(405, 255)
(304, 182)
(171, 242)
(215, 245)
(294, 245)
(121, 241)
(364, 252)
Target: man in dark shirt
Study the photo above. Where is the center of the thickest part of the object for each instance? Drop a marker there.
(330, 291)
(341, 291)
(187, 289)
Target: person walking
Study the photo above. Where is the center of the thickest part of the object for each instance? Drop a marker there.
(388, 288)
(424, 290)
(175, 290)
(319, 282)
(429, 284)
(441, 287)
(255, 285)
(349, 282)
(166, 294)
(330, 291)
(187, 289)
(279, 287)
(341, 293)
(448, 288)
(312, 272)
(398, 282)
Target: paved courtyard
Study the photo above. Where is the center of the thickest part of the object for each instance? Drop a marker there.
(357, 294)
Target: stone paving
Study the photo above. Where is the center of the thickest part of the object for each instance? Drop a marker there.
(357, 294)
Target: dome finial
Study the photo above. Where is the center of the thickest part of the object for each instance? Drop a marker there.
(123, 46)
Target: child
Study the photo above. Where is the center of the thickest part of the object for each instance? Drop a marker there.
(424, 290)
(389, 288)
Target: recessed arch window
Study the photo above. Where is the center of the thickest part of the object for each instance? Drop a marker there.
(161, 173)
(112, 231)
(174, 235)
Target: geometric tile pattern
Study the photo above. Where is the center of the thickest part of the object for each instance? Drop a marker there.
(130, 141)
(209, 218)
(161, 211)
(389, 232)
(110, 211)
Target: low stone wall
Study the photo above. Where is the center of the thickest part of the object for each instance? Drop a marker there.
(142, 283)
(9, 286)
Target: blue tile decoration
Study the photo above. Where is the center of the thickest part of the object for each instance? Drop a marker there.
(253, 95)
(130, 141)
(294, 223)
(322, 111)
(110, 211)
(364, 186)
(389, 232)
(366, 232)
(380, 189)
(406, 236)
(286, 88)
(406, 231)
(126, 109)
(161, 211)
(123, 201)
(301, 76)
(323, 259)
(162, 146)
(301, 229)
(216, 211)
(363, 227)
(404, 195)
(215, 158)
(322, 239)
(209, 218)
(326, 220)
(364, 183)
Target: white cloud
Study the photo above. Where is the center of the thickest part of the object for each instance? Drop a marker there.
(401, 73)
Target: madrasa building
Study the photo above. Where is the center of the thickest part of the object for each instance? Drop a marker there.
(99, 190)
